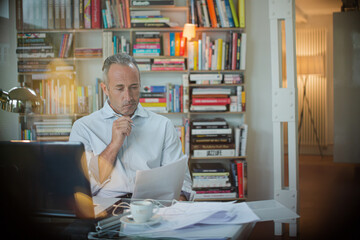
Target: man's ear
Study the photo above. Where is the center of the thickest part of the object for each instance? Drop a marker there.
(104, 88)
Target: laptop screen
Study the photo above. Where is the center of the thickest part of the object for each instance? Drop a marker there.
(48, 178)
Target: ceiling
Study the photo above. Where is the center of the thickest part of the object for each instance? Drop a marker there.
(305, 8)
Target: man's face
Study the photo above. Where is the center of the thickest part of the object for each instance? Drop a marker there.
(123, 88)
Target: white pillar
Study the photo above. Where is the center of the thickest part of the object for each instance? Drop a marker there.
(284, 107)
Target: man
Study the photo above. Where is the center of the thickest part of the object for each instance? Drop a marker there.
(123, 137)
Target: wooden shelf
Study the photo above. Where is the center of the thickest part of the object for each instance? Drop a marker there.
(216, 85)
(215, 113)
(209, 158)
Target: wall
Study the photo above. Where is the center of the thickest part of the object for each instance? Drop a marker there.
(9, 124)
(325, 21)
(347, 87)
(258, 94)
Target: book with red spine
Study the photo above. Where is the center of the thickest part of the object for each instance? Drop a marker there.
(212, 13)
(240, 177)
(95, 14)
(210, 101)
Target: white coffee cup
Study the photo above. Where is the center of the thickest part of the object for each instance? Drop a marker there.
(142, 211)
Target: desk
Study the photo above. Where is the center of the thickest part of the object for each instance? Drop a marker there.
(266, 210)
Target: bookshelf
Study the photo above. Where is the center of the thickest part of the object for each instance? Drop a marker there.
(83, 79)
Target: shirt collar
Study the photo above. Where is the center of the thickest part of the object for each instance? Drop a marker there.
(108, 112)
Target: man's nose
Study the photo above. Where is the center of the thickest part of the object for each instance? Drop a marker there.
(127, 95)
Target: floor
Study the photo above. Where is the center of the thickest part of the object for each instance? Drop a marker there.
(329, 205)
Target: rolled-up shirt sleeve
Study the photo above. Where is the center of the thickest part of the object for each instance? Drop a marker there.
(78, 135)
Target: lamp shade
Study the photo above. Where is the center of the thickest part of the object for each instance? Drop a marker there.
(310, 65)
(20, 100)
(189, 31)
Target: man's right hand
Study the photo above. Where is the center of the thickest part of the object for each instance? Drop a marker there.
(120, 129)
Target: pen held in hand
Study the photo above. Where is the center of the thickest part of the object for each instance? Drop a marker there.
(118, 115)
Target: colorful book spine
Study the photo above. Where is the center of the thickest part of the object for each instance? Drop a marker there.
(87, 13)
(241, 10)
(95, 14)
(211, 8)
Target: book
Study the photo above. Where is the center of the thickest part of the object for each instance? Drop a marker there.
(87, 13)
(199, 196)
(214, 153)
(212, 15)
(212, 121)
(197, 91)
(142, 3)
(241, 10)
(95, 14)
(207, 108)
(197, 140)
(207, 167)
(210, 101)
(211, 131)
(213, 146)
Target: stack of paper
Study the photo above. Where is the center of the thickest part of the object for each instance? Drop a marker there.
(185, 216)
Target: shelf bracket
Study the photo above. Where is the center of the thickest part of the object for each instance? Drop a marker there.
(284, 108)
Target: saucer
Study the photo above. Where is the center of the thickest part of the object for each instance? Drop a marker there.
(127, 219)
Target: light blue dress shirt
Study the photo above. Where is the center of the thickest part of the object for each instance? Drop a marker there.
(153, 142)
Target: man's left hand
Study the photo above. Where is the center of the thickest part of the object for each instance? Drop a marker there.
(182, 198)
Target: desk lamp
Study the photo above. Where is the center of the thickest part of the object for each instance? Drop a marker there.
(306, 66)
(20, 100)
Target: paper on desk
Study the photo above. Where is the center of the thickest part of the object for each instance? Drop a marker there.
(185, 214)
(163, 183)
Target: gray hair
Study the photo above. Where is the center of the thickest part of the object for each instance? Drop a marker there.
(120, 58)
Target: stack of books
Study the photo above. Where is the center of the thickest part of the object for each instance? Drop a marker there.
(34, 66)
(168, 64)
(212, 138)
(206, 78)
(120, 45)
(147, 44)
(210, 99)
(233, 78)
(154, 98)
(217, 13)
(52, 129)
(144, 64)
(34, 45)
(149, 18)
(239, 177)
(88, 52)
(211, 181)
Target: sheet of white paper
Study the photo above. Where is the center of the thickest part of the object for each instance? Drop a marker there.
(185, 214)
(163, 183)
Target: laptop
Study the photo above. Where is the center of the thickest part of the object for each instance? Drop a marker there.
(45, 179)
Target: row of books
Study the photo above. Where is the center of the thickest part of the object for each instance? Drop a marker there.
(68, 14)
(212, 180)
(163, 98)
(215, 138)
(39, 66)
(218, 99)
(112, 44)
(62, 97)
(218, 54)
(65, 46)
(217, 13)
